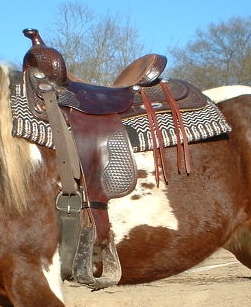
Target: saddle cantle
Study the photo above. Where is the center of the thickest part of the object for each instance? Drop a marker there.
(142, 71)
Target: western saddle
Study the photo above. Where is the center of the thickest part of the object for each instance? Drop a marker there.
(94, 155)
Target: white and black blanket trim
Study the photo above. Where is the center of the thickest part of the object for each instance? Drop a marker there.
(25, 124)
(200, 125)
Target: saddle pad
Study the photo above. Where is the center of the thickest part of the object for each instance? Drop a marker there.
(25, 124)
(199, 125)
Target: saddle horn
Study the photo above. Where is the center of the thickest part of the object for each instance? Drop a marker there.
(46, 59)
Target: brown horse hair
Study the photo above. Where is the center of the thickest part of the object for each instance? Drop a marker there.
(16, 166)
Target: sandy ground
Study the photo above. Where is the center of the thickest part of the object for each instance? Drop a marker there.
(219, 281)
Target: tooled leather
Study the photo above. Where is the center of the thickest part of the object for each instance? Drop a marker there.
(186, 96)
(86, 98)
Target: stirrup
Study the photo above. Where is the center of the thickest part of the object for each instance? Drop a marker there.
(82, 270)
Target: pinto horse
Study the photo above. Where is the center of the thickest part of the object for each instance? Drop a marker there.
(159, 231)
(167, 230)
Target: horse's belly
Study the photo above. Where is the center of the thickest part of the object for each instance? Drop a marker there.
(162, 231)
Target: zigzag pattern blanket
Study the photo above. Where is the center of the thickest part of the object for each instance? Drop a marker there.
(199, 125)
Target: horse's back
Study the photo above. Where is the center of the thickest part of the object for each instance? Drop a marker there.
(223, 93)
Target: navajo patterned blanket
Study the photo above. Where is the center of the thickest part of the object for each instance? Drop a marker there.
(199, 125)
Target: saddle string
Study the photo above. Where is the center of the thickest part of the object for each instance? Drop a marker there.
(174, 112)
(182, 146)
(158, 151)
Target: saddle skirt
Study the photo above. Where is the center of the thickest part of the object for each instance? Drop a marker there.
(187, 97)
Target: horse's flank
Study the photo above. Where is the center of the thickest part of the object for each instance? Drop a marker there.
(15, 161)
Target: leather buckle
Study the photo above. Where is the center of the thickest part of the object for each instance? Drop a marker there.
(69, 202)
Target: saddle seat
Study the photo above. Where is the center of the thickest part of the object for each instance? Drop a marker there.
(87, 98)
(100, 100)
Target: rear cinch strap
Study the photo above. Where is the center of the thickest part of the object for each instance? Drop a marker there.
(98, 205)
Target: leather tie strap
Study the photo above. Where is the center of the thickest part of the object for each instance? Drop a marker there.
(182, 145)
(158, 149)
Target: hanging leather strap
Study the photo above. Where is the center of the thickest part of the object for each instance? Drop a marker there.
(182, 144)
(158, 149)
(76, 222)
(157, 138)
(66, 152)
(69, 202)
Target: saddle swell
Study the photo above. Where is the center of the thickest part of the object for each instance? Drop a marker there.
(48, 60)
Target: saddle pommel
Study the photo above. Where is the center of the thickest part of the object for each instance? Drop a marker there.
(46, 59)
(34, 36)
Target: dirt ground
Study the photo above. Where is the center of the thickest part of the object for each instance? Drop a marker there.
(219, 281)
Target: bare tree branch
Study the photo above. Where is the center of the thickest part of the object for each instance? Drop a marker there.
(96, 48)
(219, 56)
